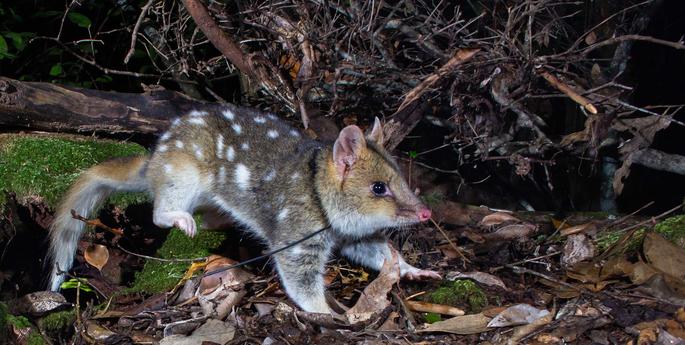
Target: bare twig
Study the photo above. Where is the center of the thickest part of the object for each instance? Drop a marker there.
(568, 91)
(134, 34)
(610, 41)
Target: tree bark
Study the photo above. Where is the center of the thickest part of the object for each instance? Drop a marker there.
(56, 108)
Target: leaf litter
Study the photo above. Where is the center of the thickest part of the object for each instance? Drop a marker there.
(541, 280)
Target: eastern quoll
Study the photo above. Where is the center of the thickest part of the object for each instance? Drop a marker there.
(266, 175)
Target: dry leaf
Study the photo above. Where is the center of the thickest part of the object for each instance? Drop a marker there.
(596, 74)
(481, 277)
(519, 314)
(591, 38)
(426, 307)
(96, 255)
(570, 230)
(512, 232)
(665, 338)
(522, 331)
(220, 292)
(374, 298)
(664, 255)
(561, 291)
(498, 218)
(578, 248)
(465, 324)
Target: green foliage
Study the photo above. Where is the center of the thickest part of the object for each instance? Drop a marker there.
(79, 19)
(17, 40)
(159, 276)
(460, 293)
(4, 48)
(46, 166)
(77, 283)
(56, 70)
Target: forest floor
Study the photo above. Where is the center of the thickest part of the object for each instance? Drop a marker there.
(508, 277)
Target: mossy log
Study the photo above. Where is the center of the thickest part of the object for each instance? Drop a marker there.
(58, 108)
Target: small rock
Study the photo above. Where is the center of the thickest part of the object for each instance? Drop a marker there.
(39, 303)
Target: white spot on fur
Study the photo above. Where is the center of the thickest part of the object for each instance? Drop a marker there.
(259, 119)
(228, 114)
(245, 146)
(270, 176)
(281, 215)
(196, 121)
(296, 250)
(272, 116)
(236, 127)
(162, 148)
(179, 144)
(198, 151)
(176, 122)
(295, 133)
(222, 174)
(242, 176)
(280, 199)
(295, 176)
(220, 146)
(165, 136)
(198, 113)
(273, 134)
(230, 154)
(168, 168)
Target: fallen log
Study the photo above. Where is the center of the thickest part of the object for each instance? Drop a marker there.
(57, 108)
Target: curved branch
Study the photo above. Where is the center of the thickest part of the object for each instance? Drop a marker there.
(217, 36)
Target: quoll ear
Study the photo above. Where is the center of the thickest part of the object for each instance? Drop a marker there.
(347, 148)
(376, 134)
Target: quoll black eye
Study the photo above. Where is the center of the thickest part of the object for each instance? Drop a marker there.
(378, 188)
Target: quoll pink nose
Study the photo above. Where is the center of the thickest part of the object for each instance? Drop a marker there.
(424, 214)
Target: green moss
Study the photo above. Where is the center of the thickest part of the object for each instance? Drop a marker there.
(58, 321)
(673, 229)
(33, 337)
(432, 317)
(45, 166)
(159, 276)
(460, 293)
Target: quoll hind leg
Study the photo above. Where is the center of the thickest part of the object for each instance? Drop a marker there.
(373, 252)
(175, 199)
(301, 273)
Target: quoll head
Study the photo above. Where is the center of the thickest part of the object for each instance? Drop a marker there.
(372, 193)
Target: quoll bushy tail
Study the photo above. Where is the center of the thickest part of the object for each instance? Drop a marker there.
(86, 195)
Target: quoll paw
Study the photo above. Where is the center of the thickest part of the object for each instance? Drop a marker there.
(422, 275)
(187, 224)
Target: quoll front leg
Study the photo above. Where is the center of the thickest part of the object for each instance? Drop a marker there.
(372, 252)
